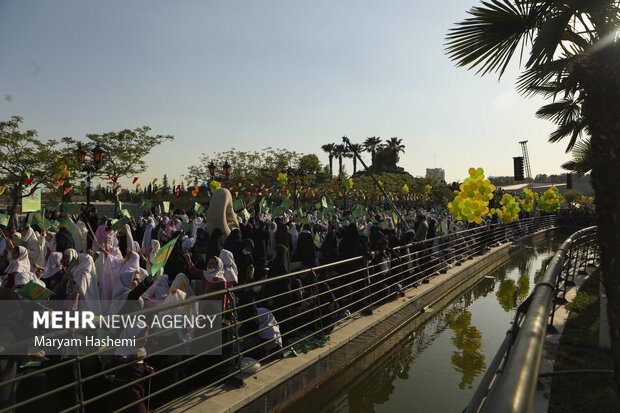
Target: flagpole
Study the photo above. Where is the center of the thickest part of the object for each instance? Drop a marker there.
(402, 220)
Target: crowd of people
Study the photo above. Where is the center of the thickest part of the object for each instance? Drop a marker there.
(85, 261)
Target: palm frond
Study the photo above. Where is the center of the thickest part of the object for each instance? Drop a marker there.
(489, 39)
(582, 158)
(574, 129)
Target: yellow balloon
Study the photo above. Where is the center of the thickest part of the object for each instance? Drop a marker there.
(472, 171)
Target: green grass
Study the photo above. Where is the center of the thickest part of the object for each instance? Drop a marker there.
(579, 350)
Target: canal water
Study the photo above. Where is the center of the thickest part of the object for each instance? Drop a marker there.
(438, 366)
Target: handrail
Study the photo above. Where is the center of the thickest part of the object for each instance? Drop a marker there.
(514, 388)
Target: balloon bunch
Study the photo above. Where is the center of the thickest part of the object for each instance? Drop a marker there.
(510, 208)
(405, 189)
(472, 201)
(550, 200)
(427, 189)
(527, 199)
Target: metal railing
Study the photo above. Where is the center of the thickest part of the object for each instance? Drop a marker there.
(308, 305)
(510, 382)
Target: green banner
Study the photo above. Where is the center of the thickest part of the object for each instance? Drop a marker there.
(71, 208)
(286, 204)
(53, 226)
(126, 213)
(162, 256)
(34, 291)
(198, 208)
(318, 241)
(145, 204)
(4, 219)
(37, 218)
(52, 205)
(17, 241)
(238, 205)
(118, 224)
(166, 206)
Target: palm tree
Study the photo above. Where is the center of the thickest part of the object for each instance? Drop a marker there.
(355, 148)
(330, 149)
(340, 152)
(574, 49)
(581, 163)
(371, 145)
(395, 145)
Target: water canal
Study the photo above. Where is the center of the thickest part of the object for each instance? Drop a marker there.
(437, 367)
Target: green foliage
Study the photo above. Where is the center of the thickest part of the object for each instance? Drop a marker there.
(124, 150)
(254, 168)
(22, 152)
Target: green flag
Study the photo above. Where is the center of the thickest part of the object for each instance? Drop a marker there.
(246, 214)
(324, 202)
(278, 212)
(286, 204)
(71, 208)
(395, 218)
(37, 218)
(53, 226)
(162, 255)
(166, 206)
(19, 242)
(126, 213)
(51, 204)
(34, 291)
(238, 205)
(198, 208)
(145, 204)
(4, 219)
(118, 224)
(318, 241)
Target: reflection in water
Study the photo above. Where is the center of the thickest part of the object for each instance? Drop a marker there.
(468, 361)
(510, 295)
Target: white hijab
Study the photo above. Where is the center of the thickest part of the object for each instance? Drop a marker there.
(217, 274)
(267, 321)
(85, 278)
(21, 264)
(231, 273)
(53, 265)
(158, 291)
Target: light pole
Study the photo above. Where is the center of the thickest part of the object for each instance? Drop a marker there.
(80, 155)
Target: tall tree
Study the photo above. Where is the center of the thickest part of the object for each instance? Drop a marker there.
(330, 150)
(124, 150)
(22, 157)
(341, 152)
(396, 146)
(574, 52)
(355, 148)
(165, 189)
(371, 145)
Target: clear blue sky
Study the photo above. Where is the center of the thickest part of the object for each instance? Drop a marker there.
(251, 74)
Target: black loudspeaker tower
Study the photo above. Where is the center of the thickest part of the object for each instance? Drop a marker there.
(569, 181)
(518, 167)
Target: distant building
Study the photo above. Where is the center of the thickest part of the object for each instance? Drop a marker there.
(436, 172)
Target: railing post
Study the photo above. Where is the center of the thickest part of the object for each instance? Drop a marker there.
(236, 331)
(318, 297)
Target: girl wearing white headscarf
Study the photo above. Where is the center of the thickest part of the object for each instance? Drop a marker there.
(158, 291)
(54, 271)
(230, 267)
(269, 331)
(19, 261)
(148, 231)
(126, 283)
(85, 279)
(152, 251)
